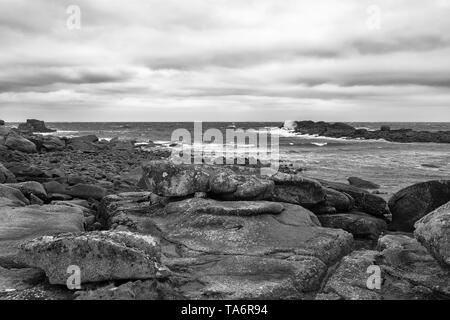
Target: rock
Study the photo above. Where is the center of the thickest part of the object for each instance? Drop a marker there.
(413, 202)
(359, 224)
(221, 251)
(13, 194)
(23, 223)
(342, 202)
(16, 142)
(6, 176)
(6, 202)
(35, 200)
(84, 143)
(54, 187)
(433, 232)
(168, 179)
(364, 200)
(100, 255)
(360, 183)
(294, 188)
(86, 191)
(73, 180)
(2, 122)
(33, 125)
(230, 208)
(48, 143)
(407, 272)
(137, 290)
(342, 130)
(24, 171)
(30, 187)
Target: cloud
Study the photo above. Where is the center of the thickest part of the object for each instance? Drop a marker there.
(224, 59)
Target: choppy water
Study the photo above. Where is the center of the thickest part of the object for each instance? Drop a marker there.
(392, 165)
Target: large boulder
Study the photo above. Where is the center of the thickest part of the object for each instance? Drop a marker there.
(83, 144)
(13, 194)
(232, 249)
(2, 122)
(359, 224)
(22, 223)
(100, 255)
(433, 232)
(364, 200)
(48, 143)
(25, 172)
(168, 179)
(342, 202)
(86, 191)
(407, 272)
(16, 142)
(413, 202)
(6, 176)
(30, 187)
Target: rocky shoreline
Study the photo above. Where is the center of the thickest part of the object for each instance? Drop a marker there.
(139, 226)
(343, 130)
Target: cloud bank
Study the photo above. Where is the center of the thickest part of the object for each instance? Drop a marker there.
(227, 60)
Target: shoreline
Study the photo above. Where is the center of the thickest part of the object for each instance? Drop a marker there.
(193, 229)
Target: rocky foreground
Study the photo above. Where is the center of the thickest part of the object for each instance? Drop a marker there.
(139, 226)
(343, 130)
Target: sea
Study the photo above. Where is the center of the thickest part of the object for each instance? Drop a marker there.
(391, 165)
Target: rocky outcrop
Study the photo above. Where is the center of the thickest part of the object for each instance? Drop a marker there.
(407, 271)
(33, 125)
(2, 122)
(47, 143)
(15, 142)
(433, 232)
(100, 255)
(232, 249)
(29, 188)
(222, 182)
(361, 183)
(6, 176)
(23, 223)
(412, 203)
(342, 130)
(359, 224)
(13, 194)
(363, 200)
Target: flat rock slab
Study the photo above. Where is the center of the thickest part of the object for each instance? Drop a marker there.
(359, 224)
(433, 232)
(18, 224)
(413, 202)
(407, 272)
(100, 255)
(233, 250)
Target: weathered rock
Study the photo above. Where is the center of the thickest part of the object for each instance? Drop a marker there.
(6, 176)
(13, 194)
(342, 202)
(407, 272)
(100, 255)
(2, 122)
(297, 190)
(364, 200)
(85, 191)
(54, 187)
(412, 203)
(84, 143)
(24, 171)
(359, 224)
(227, 250)
(29, 188)
(361, 183)
(48, 143)
(33, 125)
(23, 223)
(7, 202)
(16, 142)
(226, 183)
(433, 232)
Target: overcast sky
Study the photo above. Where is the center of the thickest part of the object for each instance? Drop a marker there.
(225, 60)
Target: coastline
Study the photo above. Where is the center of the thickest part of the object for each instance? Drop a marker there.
(227, 225)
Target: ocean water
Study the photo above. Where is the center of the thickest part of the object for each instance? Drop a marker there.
(392, 165)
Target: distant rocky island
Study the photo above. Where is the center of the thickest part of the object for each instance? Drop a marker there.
(343, 130)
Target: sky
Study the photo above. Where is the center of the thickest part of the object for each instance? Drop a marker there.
(225, 60)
